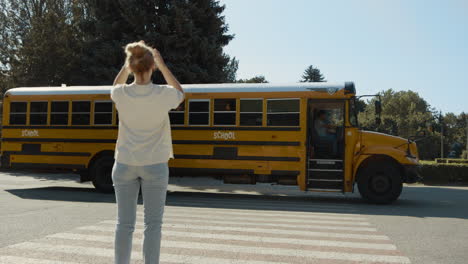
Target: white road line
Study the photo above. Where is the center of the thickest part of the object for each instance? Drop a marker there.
(258, 239)
(207, 260)
(103, 252)
(262, 218)
(262, 207)
(79, 250)
(289, 215)
(96, 238)
(281, 212)
(290, 252)
(247, 229)
(325, 243)
(22, 260)
(305, 227)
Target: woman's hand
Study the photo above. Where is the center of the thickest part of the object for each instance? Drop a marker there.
(168, 76)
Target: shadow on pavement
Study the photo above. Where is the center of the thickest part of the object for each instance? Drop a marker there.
(417, 202)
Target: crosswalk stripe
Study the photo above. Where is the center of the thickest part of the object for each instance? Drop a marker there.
(104, 252)
(177, 258)
(248, 229)
(89, 251)
(263, 207)
(263, 219)
(246, 210)
(285, 215)
(290, 252)
(23, 260)
(303, 227)
(258, 239)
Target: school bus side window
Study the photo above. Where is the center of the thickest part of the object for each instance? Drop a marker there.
(251, 112)
(38, 113)
(199, 112)
(81, 113)
(283, 112)
(224, 112)
(176, 115)
(103, 113)
(59, 113)
(18, 113)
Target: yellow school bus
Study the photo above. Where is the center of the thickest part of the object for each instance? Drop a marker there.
(303, 134)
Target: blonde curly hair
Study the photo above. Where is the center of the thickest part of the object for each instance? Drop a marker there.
(140, 57)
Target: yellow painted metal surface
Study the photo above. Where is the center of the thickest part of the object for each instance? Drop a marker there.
(359, 145)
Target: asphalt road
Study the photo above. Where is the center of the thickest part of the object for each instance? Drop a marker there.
(51, 218)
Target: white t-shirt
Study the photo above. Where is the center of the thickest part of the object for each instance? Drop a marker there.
(144, 136)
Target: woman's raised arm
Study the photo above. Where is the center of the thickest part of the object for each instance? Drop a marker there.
(168, 76)
(122, 76)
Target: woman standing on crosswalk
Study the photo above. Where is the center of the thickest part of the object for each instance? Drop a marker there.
(143, 148)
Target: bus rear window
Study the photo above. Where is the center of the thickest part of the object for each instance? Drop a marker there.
(283, 112)
(18, 113)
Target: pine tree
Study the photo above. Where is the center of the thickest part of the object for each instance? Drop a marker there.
(189, 34)
(312, 74)
(80, 42)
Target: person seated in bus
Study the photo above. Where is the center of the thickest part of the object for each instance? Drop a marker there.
(325, 130)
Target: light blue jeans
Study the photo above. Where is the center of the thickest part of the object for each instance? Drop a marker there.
(127, 180)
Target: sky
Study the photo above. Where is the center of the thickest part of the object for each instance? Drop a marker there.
(418, 45)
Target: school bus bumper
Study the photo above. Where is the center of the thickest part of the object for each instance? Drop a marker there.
(411, 173)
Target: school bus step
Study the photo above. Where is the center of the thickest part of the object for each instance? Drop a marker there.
(325, 174)
(328, 184)
(326, 164)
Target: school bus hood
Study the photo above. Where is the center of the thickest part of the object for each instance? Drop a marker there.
(380, 143)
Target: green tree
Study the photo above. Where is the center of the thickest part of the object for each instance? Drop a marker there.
(455, 132)
(40, 43)
(189, 34)
(404, 113)
(49, 42)
(312, 74)
(255, 79)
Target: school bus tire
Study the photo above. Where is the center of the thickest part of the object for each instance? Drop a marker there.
(380, 182)
(101, 173)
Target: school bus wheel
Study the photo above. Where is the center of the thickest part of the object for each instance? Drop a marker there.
(101, 173)
(380, 182)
